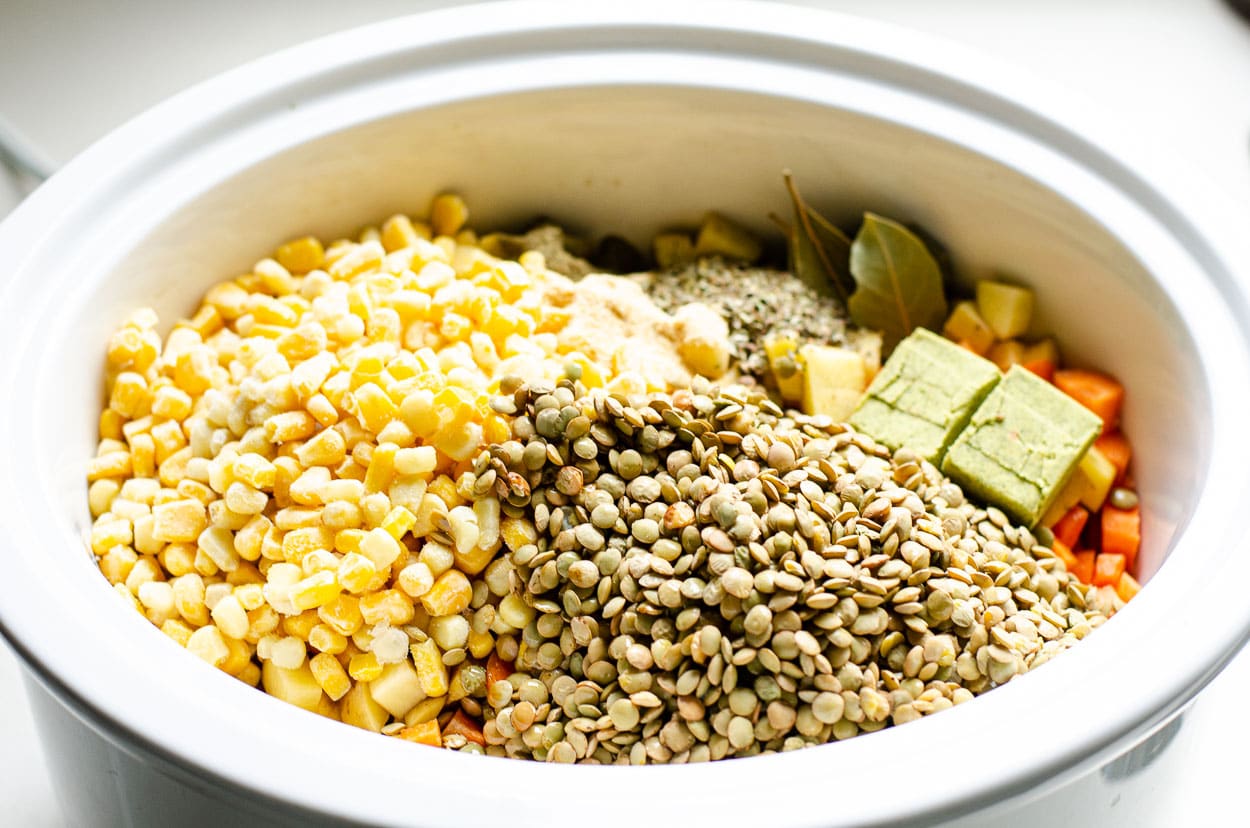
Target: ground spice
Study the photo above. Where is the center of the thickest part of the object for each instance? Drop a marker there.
(755, 302)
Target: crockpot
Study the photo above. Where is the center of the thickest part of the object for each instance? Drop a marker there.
(626, 118)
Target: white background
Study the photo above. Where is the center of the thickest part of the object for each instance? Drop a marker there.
(1177, 72)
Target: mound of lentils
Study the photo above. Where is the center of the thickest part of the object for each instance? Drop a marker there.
(703, 575)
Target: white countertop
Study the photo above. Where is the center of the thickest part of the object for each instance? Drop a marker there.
(1175, 71)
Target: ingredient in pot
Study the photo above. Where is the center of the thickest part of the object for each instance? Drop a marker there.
(700, 575)
(469, 502)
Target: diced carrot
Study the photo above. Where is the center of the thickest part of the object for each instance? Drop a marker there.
(462, 725)
(497, 669)
(1068, 528)
(1127, 587)
(425, 733)
(1121, 532)
(1084, 568)
(1044, 368)
(1115, 447)
(1107, 569)
(1097, 392)
(1064, 553)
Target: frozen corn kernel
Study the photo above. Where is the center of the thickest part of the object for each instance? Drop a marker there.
(416, 579)
(207, 643)
(230, 617)
(450, 594)
(330, 675)
(179, 521)
(380, 547)
(287, 653)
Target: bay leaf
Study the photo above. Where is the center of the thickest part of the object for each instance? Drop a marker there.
(898, 281)
(819, 251)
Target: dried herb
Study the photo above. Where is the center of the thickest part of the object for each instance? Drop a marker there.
(819, 251)
(899, 281)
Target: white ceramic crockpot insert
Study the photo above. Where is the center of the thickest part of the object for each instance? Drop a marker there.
(630, 120)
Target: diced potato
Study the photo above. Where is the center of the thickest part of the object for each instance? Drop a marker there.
(672, 249)
(1007, 309)
(783, 360)
(834, 380)
(297, 686)
(1099, 474)
(1042, 351)
(358, 708)
(720, 236)
(868, 344)
(1089, 485)
(398, 689)
(966, 325)
(1007, 353)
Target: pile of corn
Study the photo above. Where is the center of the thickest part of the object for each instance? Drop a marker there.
(284, 486)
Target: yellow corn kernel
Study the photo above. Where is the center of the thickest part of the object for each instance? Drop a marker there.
(249, 597)
(359, 709)
(448, 213)
(480, 644)
(431, 671)
(207, 643)
(218, 544)
(194, 490)
(476, 559)
(130, 396)
(431, 511)
(169, 439)
(206, 321)
(290, 426)
(132, 347)
(381, 468)
(315, 590)
(416, 579)
(261, 622)
(342, 614)
(239, 659)
(110, 464)
(450, 594)
(301, 255)
(397, 522)
(177, 558)
(330, 675)
(322, 410)
(419, 412)
(357, 572)
(299, 542)
(243, 500)
(372, 406)
(111, 425)
(390, 606)
(398, 232)
(297, 686)
(348, 540)
(517, 532)
(228, 298)
(108, 532)
(327, 448)
(418, 460)
(177, 630)
(180, 521)
(364, 667)
(326, 639)
(254, 470)
(100, 495)
(193, 369)
(444, 488)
